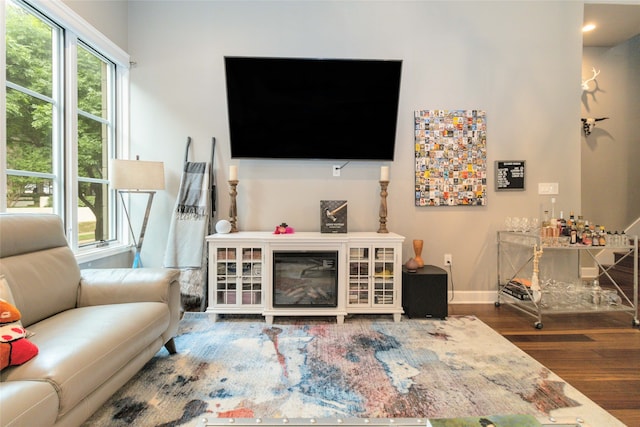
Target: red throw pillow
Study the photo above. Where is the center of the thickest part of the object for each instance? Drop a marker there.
(15, 348)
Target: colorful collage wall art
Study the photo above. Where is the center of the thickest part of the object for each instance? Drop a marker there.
(451, 158)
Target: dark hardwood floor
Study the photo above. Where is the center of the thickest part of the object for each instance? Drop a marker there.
(598, 354)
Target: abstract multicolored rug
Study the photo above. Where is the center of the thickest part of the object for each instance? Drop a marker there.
(366, 367)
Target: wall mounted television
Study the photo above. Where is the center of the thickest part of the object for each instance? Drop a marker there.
(305, 108)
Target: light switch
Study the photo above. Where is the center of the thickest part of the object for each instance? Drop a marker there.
(547, 188)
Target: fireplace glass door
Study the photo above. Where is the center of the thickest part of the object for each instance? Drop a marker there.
(305, 279)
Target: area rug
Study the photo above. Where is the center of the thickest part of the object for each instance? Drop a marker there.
(367, 367)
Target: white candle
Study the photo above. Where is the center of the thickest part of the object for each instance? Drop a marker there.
(233, 173)
(384, 173)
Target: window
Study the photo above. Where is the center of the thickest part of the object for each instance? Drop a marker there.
(65, 109)
(95, 147)
(31, 104)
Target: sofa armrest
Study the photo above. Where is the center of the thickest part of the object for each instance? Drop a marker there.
(122, 285)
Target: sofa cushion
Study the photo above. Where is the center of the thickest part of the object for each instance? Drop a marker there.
(26, 233)
(81, 348)
(43, 283)
(28, 403)
(38, 264)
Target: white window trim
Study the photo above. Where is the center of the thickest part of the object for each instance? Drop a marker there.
(65, 17)
(71, 138)
(3, 110)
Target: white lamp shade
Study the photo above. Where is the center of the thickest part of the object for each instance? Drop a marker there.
(137, 175)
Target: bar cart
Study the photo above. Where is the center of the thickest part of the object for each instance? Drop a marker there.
(561, 288)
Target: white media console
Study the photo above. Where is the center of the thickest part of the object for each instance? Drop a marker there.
(243, 278)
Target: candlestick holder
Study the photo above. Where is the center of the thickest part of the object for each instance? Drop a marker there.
(233, 208)
(383, 207)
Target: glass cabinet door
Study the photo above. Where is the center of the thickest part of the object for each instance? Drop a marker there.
(226, 272)
(251, 276)
(371, 276)
(384, 290)
(359, 274)
(236, 286)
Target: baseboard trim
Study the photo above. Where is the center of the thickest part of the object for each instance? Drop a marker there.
(472, 297)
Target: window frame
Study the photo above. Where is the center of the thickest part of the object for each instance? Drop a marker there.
(74, 31)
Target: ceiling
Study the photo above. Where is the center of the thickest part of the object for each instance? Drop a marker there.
(615, 24)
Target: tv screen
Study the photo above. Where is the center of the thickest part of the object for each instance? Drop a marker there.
(297, 108)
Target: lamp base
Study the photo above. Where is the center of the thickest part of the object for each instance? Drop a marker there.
(137, 262)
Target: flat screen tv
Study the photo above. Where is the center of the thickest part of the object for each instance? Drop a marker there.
(299, 108)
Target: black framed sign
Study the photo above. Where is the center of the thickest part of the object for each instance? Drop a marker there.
(510, 175)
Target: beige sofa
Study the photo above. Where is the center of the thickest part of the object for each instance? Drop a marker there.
(94, 328)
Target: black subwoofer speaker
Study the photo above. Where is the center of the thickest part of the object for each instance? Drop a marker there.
(424, 293)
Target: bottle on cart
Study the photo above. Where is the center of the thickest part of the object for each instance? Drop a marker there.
(562, 224)
(624, 241)
(566, 231)
(546, 221)
(573, 233)
(580, 228)
(615, 239)
(603, 236)
(595, 235)
(586, 234)
(570, 224)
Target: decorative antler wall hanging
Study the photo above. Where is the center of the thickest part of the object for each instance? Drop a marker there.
(585, 84)
(588, 123)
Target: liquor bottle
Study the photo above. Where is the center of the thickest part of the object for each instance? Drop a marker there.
(595, 235)
(586, 234)
(567, 229)
(580, 227)
(562, 224)
(570, 223)
(603, 236)
(545, 220)
(624, 241)
(573, 232)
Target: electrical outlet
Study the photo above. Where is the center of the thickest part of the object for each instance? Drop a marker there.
(448, 259)
(336, 170)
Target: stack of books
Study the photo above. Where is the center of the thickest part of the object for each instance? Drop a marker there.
(516, 290)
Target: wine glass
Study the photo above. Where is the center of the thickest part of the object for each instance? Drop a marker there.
(535, 224)
(508, 223)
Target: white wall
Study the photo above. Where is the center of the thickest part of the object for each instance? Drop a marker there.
(107, 16)
(519, 61)
(610, 172)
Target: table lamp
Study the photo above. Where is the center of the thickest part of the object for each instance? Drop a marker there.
(137, 177)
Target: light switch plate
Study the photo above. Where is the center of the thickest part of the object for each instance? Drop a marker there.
(547, 188)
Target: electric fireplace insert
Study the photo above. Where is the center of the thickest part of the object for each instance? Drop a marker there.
(305, 279)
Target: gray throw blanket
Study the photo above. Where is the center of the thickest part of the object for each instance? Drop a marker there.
(189, 224)
(191, 204)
